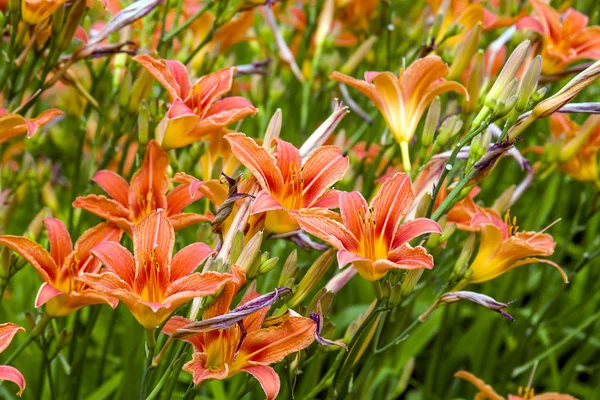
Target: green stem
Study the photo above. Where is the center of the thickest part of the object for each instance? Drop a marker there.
(400, 338)
(37, 331)
(453, 196)
(150, 344)
(405, 157)
(187, 23)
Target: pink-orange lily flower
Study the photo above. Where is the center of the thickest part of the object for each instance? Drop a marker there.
(195, 110)
(371, 237)
(565, 38)
(578, 156)
(152, 282)
(250, 347)
(503, 248)
(487, 392)
(463, 213)
(287, 181)
(60, 268)
(403, 99)
(147, 192)
(13, 125)
(8, 331)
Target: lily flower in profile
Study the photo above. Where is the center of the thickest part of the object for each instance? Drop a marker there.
(152, 283)
(251, 345)
(403, 99)
(8, 331)
(63, 265)
(578, 156)
(13, 125)
(371, 237)
(466, 210)
(289, 182)
(487, 392)
(146, 193)
(566, 38)
(503, 247)
(195, 110)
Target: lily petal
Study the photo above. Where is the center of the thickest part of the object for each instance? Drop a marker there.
(171, 74)
(8, 373)
(150, 183)
(327, 230)
(105, 208)
(323, 168)
(188, 259)
(46, 293)
(35, 254)
(60, 240)
(391, 204)
(410, 229)
(116, 259)
(268, 379)
(113, 184)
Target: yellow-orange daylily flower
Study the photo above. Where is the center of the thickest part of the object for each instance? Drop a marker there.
(147, 192)
(36, 11)
(13, 125)
(196, 110)
(250, 346)
(152, 282)
(8, 331)
(486, 392)
(503, 248)
(63, 265)
(287, 181)
(465, 211)
(372, 237)
(565, 38)
(578, 155)
(403, 99)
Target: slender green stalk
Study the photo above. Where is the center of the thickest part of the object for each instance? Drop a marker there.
(37, 331)
(150, 344)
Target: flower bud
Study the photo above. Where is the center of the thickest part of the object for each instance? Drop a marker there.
(289, 270)
(431, 122)
(58, 20)
(528, 85)
(508, 72)
(477, 298)
(358, 55)
(312, 277)
(539, 94)
(462, 263)
(324, 24)
(267, 265)
(67, 31)
(141, 89)
(474, 84)
(410, 280)
(449, 128)
(479, 146)
(464, 52)
(143, 122)
(250, 252)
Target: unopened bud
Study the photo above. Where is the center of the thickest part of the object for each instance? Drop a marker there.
(322, 300)
(462, 263)
(267, 265)
(464, 52)
(358, 55)
(528, 84)
(410, 280)
(141, 88)
(539, 94)
(67, 31)
(250, 252)
(143, 122)
(431, 122)
(125, 87)
(289, 270)
(449, 128)
(477, 298)
(312, 277)
(474, 84)
(36, 226)
(508, 72)
(58, 20)
(324, 23)
(237, 245)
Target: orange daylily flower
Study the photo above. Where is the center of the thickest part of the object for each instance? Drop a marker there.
(486, 392)
(8, 331)
(195, 110)
(503, 248)
(464, 212)
(402, 100)
(36, 11)
(579, 152)
(13, 125)
(371, 237)
(147, 192)
(60, 268)
(565, 38)
(152, 283)
(251, 346)
(288, 182)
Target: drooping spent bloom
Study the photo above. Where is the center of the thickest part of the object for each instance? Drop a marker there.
(250, 346)
(566, 37)
(13, 125)
(60, 268)
(403, 99)
(146, 193)
(195, 110)
(578, 156)
(287, 181)
(8, 331)
(487, 392)
(503, 247)
(372, 237)
(152, 282)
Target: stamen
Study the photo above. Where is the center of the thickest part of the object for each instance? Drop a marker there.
(545, 229)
